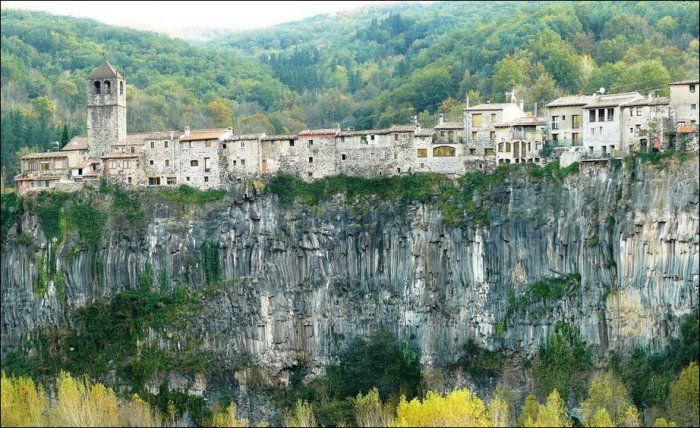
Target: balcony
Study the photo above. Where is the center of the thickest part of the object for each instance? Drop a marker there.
(566, 143)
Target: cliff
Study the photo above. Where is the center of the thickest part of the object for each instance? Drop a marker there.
(611, 250)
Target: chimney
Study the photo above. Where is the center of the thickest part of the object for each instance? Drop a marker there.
(187, 131)
(172, 135)
(442, 118)
(467, 102)
(522, 105)
(650, 96)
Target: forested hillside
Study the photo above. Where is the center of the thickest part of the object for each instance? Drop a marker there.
(369, 68)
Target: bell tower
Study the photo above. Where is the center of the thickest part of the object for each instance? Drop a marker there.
(106, 109)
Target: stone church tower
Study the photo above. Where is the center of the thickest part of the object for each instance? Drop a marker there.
(106, 109)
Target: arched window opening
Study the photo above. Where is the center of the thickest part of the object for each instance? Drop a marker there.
(108, 87)
(121, 88)
(443, 151)
(97, 87)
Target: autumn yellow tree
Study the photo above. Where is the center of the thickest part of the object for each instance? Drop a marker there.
(369, 410)
(228, 418)
(458, 408)
(23, 403)
(302, 416)
(551, 414)
(607, 392)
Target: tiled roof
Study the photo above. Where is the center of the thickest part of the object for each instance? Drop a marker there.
(245, 137)
(352, 133)
(120, 155)
(402, 128)
(204, 134)
(572, 100)
(91, 174)
(105, 70)
(140, 137)
(656, 101)
(613, 100)
(332, 131)
(450, 125)
(684, 82)
(424, 132)
(43, 155)
(78, 142)
(489, 106)
(528, 121)
(279, 137)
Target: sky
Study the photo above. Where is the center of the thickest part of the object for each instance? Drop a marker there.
(171, 16)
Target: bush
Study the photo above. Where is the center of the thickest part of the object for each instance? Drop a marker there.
(562, 362)
(393, 368)
(11, 211)
(684, 401)
(189, 195)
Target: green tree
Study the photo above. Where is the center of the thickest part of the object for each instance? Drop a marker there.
(508, 74)
(644, 76)
(684, 401)
(64, 136)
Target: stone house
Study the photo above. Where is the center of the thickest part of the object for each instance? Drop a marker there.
(520, 140)
(313, 154)
(106, 108)
(602, 124)
(242, 156)
(480, 126)
(272, 148)
(644, 123)
(684, 102)
(124, 168)
(565, 120)
(201, 160)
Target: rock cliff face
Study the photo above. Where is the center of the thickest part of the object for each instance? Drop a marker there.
(307, 279)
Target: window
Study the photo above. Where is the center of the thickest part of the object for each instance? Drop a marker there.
(206, 179)
(691, 88)
(108, 87)
(194, 163)
(601, 115)
(44, 165)
(121, 88)
(311, 159)
(473, 135)
(493, 117)
(492, 135)
(605, 149)
(396, 137)
(126, 164)
(342, 139)
(396, 155)
(472, 151)
(343, 156)
(165, 144)
(591, 115)
(488, 152)
(171, 180)
(575, 136)
(631, 130)
(555, 122)
(398, 170)
(154, 181)
(477, 119)
(80, 171)
(187, 178)
(443, 151)
(189, 144)
(128, 180)
(291, 143)
(563, 118)
(223, 146)
(233, 162)
(207, 167)
(97, 87)
(555, 137)
(592, 131)
(311, 143)
(508, 146)
(631, 112)
(371, 137)
(133, 150)
(500, 147)
(693, 106)
(639, 111)
(450, 136)
(207, 143)
(575, 121)
(150, 162)
(311, 174)
(167, 162)
(600, 130)
(422, 153)
(242, 162)
(153, 144)
(611, 114)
